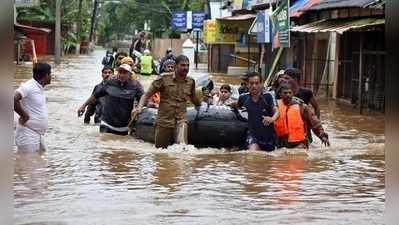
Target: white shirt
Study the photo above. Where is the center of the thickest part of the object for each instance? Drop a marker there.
(34, 103)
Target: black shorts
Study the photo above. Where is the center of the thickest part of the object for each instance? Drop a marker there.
(105, 129)
(265, 145)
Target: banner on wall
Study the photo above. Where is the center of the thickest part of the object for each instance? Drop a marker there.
(281, 23)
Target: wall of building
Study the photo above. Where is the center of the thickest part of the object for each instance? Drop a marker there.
(161, 45)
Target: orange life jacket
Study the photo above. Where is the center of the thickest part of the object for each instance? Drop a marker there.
(290, 122)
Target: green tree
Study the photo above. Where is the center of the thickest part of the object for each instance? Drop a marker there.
(122, 18)
(70, 15)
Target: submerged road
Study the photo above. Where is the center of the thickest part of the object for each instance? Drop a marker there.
(91, 178)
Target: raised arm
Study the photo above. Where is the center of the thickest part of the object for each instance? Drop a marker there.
(82, 109)
(97, 93)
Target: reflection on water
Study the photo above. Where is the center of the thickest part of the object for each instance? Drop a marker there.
(91, 178)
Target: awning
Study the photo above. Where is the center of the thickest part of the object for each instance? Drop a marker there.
(29, 28)
(338, 25)
(239, 17)
(337, 4)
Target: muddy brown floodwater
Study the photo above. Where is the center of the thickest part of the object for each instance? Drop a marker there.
(91, 178)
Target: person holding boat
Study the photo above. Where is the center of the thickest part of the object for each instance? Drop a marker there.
(176, 89)
(294, 120)
(119, 93)
(262, 112)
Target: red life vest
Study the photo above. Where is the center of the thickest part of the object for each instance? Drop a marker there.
(290, 122)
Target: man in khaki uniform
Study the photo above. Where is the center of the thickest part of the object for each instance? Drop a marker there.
(176, 89)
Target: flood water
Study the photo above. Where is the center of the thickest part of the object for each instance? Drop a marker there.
(91, 178)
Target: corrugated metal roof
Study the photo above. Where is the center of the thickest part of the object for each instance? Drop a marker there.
(334, 4)
(239, 17)
(298, 8)
(338, 25)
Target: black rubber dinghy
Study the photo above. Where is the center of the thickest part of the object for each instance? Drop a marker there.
(213, 126)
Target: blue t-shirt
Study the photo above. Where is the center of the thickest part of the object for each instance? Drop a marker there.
(256, 110)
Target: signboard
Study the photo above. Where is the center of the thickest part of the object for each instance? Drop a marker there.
(27, 3)
(224, 32)
(263, 27)
(198, 20)
(179, 20)
(210, 31)
(281, 22)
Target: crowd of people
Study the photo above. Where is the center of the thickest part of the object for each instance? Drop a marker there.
(278, 116)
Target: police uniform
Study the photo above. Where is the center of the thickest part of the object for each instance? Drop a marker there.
(172, 108)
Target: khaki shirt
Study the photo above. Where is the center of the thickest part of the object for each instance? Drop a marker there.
(174, 97)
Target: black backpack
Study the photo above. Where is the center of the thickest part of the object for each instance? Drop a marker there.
(108, 60)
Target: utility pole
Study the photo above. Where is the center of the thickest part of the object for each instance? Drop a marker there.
(79, 27)
(92, 36)
(196, 49)
(58, 32)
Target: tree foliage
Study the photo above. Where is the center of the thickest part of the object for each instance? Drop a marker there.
(124, 17)
(117, 18)
(69, 18)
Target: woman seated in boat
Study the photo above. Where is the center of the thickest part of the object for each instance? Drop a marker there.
(223, 97)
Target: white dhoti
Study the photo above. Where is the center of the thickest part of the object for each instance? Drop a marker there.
(29, 140)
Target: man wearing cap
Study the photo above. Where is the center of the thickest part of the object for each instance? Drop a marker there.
(176, 89)
(120, 94)
(130, 61)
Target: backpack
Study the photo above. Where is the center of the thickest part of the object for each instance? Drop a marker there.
(107, 60)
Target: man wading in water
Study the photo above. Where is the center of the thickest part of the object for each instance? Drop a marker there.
(30, 105)
(176, 89)
(296, 118)
(120, 93)
(262, 112)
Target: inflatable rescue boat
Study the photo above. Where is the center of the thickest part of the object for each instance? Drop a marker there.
(211, 126)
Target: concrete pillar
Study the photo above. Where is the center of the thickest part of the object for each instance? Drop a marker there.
(189, 51)
(335, 67)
